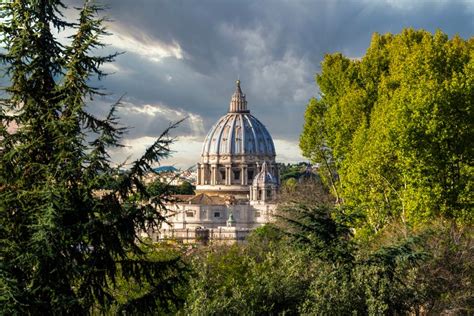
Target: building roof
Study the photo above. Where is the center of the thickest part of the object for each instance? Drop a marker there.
(201, 199)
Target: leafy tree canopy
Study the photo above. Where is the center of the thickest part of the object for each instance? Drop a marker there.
(394, 131)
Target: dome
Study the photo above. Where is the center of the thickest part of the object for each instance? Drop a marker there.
(238, 132)
(264, 177)
(234, 151)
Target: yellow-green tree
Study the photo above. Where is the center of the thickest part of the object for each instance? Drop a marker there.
(394, 129)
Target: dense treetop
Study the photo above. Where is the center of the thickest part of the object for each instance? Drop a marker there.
(394, 129)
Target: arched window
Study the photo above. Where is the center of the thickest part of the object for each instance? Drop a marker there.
(213, 145)
(225, 139)
(238, 140)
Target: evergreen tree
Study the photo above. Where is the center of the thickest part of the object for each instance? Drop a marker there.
(63, 240)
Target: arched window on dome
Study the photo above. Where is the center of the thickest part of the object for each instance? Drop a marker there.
(238, 140)
(225, 139)
(212, 147)
(223, 145)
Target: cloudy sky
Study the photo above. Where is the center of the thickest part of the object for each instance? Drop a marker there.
(182, 59)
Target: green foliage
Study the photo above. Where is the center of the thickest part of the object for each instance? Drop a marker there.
(446, 279)
(276, 273)
(291, 171)
(309, 190)
(263, 277)
(64, 241)
(381, 284)
(185, 188)
(158, 188)
(398, 271)
(290, 184)
(309, 263)
(138, 297)
(319, 229)
(347, 279)
(393, 131)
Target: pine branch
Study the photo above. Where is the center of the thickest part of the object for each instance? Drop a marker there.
(65, 237)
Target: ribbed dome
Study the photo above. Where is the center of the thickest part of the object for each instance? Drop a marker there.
(238, 132)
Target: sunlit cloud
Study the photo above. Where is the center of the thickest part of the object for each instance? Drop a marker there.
(144, 46)
(192, 121)
(287, 151)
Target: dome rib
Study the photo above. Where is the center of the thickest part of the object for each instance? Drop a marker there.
(231, 137)
(254, 135)
(242, 138)
(217, 145)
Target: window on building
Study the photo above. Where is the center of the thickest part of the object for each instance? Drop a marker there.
(223, 174)
(257, 214)
(237, 175)
(250, 175)
(217, 214)
(189, 214)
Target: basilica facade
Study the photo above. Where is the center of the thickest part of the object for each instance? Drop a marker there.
(237, 179)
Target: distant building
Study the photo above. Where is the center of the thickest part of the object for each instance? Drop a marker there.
(237, 180)
(169, 175)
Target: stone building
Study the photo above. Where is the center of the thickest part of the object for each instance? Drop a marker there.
(237, 180)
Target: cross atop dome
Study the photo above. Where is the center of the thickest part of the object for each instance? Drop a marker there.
(238, 104)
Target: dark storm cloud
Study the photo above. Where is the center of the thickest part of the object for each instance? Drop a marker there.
(274, 46)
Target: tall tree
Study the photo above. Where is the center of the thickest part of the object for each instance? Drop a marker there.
(63, 240)
(397, 125)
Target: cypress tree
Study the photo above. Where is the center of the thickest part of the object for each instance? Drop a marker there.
(63, 245)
